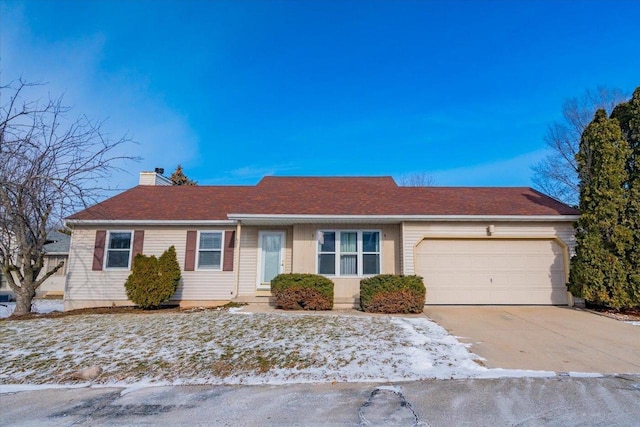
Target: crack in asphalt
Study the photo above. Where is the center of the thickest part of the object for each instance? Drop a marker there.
(105, 407)
(401, 405)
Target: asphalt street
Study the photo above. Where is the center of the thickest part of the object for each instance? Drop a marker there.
(556, 401)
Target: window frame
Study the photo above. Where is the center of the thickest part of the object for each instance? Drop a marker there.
(221, 250)
(359, 252)
(107, 249)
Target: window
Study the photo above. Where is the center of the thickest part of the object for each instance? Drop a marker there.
(349, 253)
(371, 252)
(119, 249)
(210, 250)
(327, 252)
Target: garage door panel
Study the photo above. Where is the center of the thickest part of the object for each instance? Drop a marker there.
(473, 295)
(492, 271)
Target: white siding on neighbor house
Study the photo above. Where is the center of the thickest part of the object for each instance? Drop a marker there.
(84, 284)
(54, 283)
(414, 232)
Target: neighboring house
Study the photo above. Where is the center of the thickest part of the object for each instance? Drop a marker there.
(471, 245)
(56, 250)
(5, 292)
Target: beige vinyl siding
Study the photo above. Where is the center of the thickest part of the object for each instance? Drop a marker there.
(346, 289)
(248, 261)
(414, 232)
(84, 284)
(194, 285)
(106, 287)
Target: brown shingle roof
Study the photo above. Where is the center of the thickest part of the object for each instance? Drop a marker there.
(320, 196)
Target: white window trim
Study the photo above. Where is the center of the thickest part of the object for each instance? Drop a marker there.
(198, 268)
(360, 252)
(106, 250)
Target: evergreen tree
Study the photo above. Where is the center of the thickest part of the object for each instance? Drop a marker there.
(599, 271)
(179, 178)
(142, 283)
(153, 281)
(169, 270)
(628, 114)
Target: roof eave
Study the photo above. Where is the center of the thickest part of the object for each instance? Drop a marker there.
(134, 222)
(288, 219)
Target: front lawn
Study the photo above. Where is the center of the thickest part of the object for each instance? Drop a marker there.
(229, 347)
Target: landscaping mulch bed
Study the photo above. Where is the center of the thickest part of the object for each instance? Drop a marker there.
(117, 310)
(625, 315)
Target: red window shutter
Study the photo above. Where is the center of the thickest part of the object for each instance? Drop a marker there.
(229, 244)
(138, 243)
(98, 250)
(190, 253)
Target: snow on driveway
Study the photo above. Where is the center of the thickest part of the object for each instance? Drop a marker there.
(222, 347)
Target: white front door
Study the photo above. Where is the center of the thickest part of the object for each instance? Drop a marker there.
(270, 256)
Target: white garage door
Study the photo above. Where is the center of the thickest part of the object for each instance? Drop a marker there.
(492, 271)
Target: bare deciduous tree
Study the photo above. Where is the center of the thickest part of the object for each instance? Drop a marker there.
(557, 174)
(419, 179)
(50, 166)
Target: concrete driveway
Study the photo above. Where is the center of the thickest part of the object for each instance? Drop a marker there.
(559, 339)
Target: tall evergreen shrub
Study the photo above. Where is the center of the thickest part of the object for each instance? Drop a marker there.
(603, 236)
(153, 281)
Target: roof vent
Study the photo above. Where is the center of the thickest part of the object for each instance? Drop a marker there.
(160, 171)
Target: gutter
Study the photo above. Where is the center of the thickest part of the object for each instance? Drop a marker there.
(72, 222)
(400, 218)
(234, 218)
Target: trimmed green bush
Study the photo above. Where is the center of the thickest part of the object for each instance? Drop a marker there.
(153, 281)
(392, 293)
(169, 270)
(302, 292)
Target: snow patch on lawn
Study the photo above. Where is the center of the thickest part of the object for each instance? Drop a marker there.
(634, 323)
(39, 306)
(16, 388)
(231, 347)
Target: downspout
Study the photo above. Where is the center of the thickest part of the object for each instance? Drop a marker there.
(237, 259)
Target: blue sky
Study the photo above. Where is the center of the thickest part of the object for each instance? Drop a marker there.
(235, 90)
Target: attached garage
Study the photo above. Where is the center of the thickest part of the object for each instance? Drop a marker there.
(493, 270)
